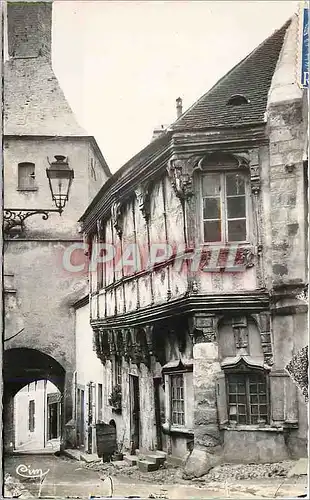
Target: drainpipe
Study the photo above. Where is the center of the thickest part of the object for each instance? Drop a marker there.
(44, 414)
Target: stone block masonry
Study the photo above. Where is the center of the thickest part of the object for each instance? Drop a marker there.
(29, 29)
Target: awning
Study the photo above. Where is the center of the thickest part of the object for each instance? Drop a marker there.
(250, 361)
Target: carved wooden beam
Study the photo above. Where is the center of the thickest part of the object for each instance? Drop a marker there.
(117, 218)
(263, 320)
(142, 193)
(180, 172)
(202, 328)
(241, 333)
(254, 171)
(101, 344)
(149, 329)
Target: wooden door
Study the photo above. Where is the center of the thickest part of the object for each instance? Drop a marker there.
(134, 413)
(157, 382)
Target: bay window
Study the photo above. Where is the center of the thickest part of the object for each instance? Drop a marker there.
(225, 198)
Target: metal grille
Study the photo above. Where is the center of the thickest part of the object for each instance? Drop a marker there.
(177, 400)
(247, 399)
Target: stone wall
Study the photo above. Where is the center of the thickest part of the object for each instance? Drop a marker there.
(286, 253)
(29, 28)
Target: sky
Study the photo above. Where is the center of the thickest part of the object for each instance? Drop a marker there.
(123, 64)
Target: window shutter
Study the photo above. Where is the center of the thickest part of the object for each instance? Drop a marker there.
(221, 399)
(291, 402)
(26, 176)
(283, 399)
(277, 396)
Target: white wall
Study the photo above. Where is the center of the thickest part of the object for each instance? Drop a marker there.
(88, 367)
(24, 438)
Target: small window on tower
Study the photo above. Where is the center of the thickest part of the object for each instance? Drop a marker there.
(26, 177)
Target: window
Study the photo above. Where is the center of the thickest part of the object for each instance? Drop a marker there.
(26, 177)
(247, 398)
(237, 100)
(31, 415)
(118, 371)
(99, 402)
(102, 253)
(177, 400)
(224, 207)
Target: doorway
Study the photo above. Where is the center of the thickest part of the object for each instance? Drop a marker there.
(53, 417)
(80, 418)
(134, 412)
(157, 385)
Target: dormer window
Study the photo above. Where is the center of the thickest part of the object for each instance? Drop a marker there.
(26, 177)
(237, 100)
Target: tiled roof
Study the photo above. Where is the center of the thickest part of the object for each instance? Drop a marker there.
(34, 103)
(250, 78)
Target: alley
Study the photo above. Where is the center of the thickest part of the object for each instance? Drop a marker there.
(70, 478)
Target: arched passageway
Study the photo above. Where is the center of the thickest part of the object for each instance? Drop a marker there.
(22, 367)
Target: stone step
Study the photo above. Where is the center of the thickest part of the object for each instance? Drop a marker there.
(131, 459)
(89, 457)
(156, 459)
(158, 453)
(75, 454)
(146, 466)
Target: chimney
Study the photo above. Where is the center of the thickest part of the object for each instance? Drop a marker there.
(29, 28)
(179, 107)
(158, 131)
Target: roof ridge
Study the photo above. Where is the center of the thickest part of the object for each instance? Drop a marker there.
(218, 82)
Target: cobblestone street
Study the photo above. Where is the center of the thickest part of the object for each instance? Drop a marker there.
(70, 478)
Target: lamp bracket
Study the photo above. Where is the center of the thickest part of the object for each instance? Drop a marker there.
(15, 217)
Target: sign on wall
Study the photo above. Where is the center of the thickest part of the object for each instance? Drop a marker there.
(304, 46)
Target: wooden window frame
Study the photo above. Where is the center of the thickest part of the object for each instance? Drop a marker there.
(20, 186)
(182, 413)
(101, 266)
(118, 371)
(223, 204)
(246, 375)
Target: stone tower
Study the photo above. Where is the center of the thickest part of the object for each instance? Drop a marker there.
(39, 291)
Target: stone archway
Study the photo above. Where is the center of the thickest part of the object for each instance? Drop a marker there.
(22, 366)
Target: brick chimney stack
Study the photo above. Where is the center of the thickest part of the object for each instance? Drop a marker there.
(179, 107)
(29, 28)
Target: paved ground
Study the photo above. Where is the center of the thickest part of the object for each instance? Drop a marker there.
(69, 478)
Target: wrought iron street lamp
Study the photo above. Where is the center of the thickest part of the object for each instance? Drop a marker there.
(60, 177)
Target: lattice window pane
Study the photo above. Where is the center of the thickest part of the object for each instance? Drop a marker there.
(177, 400)
(247, 398)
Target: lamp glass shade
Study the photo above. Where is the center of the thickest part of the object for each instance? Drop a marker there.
(60, 177)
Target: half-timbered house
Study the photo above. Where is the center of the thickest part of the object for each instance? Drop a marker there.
(198, 262)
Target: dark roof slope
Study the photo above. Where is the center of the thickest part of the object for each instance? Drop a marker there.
(250, 78)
